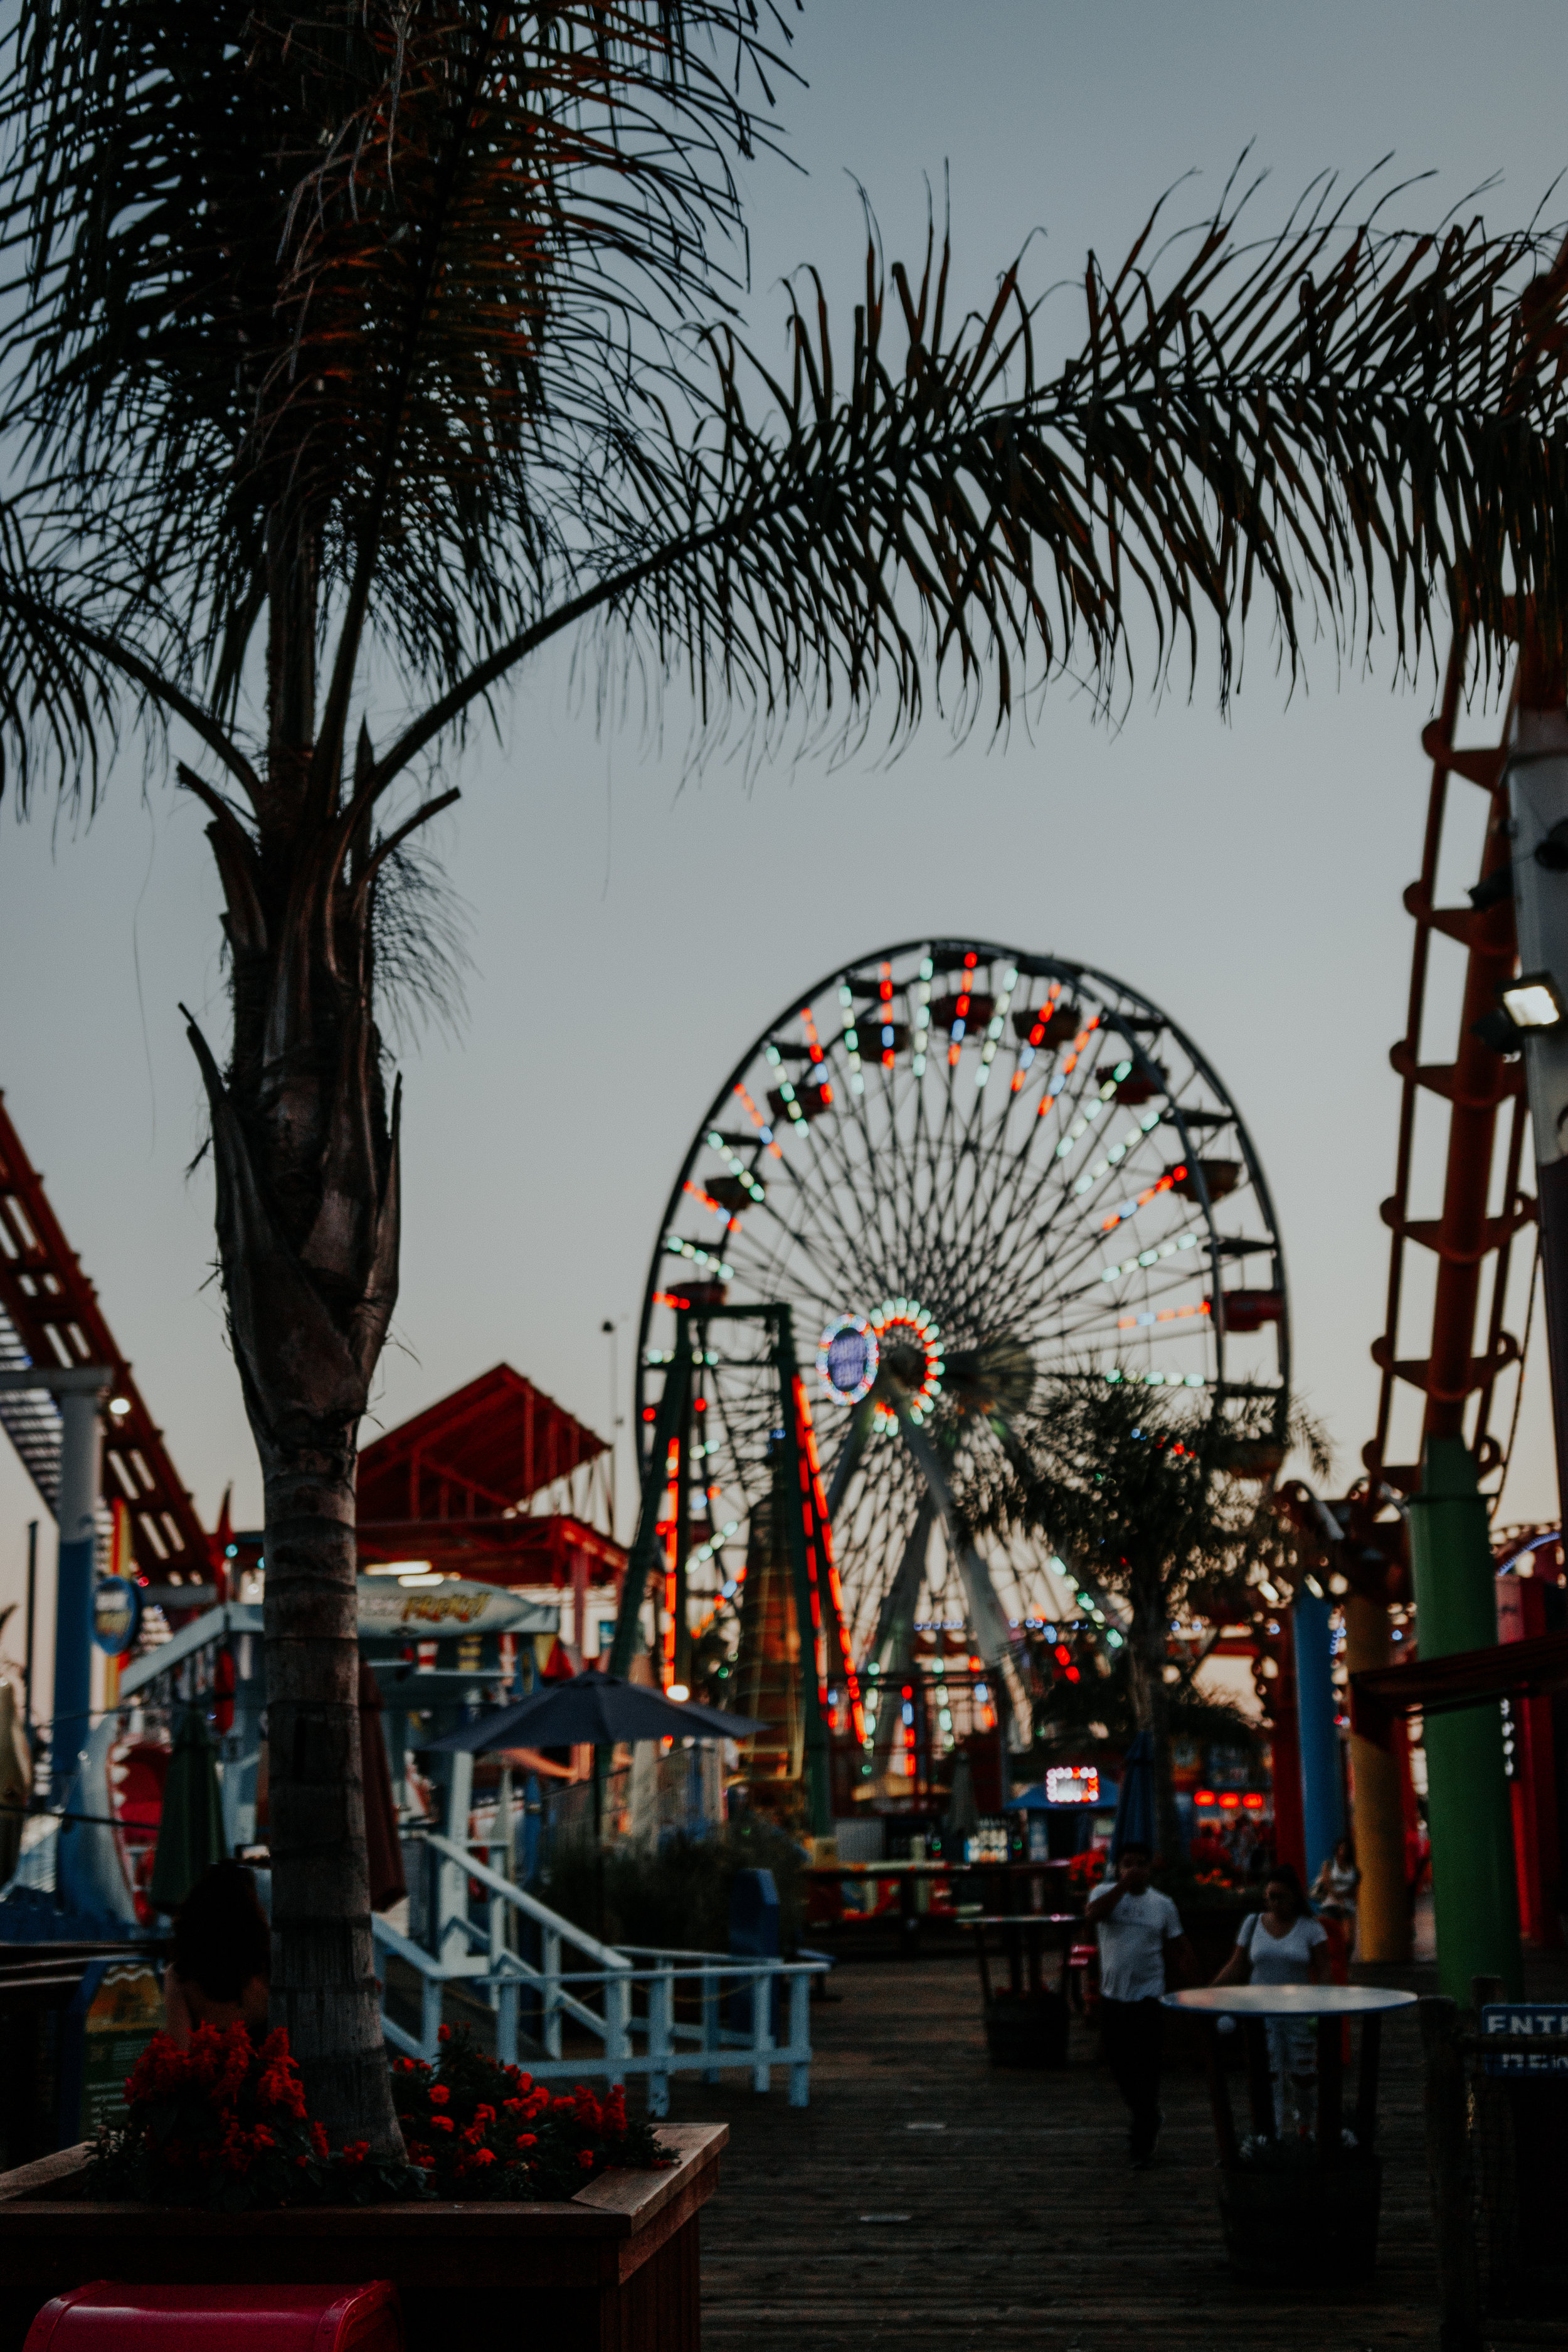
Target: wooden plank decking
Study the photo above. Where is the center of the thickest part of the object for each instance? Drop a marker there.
(928, 2199)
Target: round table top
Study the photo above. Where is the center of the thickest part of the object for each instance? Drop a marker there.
(1018, 1919)
(1289, 2000)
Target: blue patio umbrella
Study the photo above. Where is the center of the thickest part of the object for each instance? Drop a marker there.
(598, 1709)
(1135, 1799)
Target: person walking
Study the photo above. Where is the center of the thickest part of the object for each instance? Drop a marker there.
(1335, 1889)
(1137, 1927)
(1283, 1944)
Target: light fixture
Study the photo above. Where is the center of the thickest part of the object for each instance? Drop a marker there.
(400, 1567)
(678, 1691)
(421, 1578)
(1533, 1000)
(119, 1407)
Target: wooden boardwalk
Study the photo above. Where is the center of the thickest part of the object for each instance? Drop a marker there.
(927, 2199)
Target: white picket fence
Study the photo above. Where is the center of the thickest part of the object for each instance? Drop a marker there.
(624, 1999)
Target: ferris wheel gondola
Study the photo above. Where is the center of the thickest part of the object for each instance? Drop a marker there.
(963, 1168)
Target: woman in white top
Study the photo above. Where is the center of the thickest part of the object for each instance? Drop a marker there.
(1335, 1888)
(1284, 1945)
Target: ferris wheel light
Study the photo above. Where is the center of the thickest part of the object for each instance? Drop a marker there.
(1533, 1001)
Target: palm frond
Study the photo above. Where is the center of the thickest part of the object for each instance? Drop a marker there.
(1135, 1486)
(1344, 433)
(337, 293)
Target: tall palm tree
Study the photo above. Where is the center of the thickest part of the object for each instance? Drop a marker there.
(1157, 1498)
(356, 349)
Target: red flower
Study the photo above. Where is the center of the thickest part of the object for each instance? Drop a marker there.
(480, 2156)
(528, 2139)
(445, 2034)
(484, 2115)
(585, 2158)
(319, 2142)
(440, 2095)
(586, 2108)
(442, 2123)
(356, 2151)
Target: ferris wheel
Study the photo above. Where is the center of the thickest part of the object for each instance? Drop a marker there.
(961, 1168)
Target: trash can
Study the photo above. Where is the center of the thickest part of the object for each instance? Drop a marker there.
(109, 2316)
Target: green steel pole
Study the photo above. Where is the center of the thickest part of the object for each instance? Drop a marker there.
(1468, 1813)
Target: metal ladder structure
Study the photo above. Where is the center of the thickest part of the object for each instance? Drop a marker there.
(1483, 1091)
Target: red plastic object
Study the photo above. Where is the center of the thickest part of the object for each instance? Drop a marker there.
(109, 2316)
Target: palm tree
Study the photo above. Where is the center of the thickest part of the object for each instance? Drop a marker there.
(357, 350)
(1157, 1498)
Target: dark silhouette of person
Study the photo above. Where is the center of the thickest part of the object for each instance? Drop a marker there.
(222, 1961)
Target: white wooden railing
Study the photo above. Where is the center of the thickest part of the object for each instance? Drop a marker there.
(623, 1996)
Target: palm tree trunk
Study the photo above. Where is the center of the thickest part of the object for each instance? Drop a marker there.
(1146, 1644)
(307, 1214)
(323, 1977)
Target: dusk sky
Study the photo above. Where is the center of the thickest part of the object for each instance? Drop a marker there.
(633, 926)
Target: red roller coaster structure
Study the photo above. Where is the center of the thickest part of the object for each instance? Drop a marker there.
(49, 1316)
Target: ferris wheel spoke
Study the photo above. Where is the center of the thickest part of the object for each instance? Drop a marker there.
(798, 1241)
(895, 1618)
(849, 1455)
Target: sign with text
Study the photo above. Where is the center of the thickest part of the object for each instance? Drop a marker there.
(1545, 2022)
(1072, 1784)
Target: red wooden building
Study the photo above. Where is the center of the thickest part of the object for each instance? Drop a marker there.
(496, 1481)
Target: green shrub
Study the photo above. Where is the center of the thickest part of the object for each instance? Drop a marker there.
(678, 1894)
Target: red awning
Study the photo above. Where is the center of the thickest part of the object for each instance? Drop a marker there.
(1527, 1669)
(480, 1452)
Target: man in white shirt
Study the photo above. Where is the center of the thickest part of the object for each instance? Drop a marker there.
(1137, 1926)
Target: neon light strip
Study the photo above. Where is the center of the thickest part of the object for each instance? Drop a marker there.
(1070, 1065)
(1131, 1208)
(825, 1531)
(707, 1201)
(1162, 1315)
(760, 1123)
(672, 1508)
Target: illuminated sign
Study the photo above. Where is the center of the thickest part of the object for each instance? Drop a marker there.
(454, 1606)
(1073, 1784)
(116, 1614)
(846, 1359)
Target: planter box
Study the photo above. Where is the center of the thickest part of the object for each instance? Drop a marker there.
(614, 2270)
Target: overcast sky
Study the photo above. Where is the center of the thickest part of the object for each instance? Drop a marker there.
(632, 929)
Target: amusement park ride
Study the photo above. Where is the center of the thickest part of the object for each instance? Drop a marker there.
(965, 1167)
(948, 1172)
